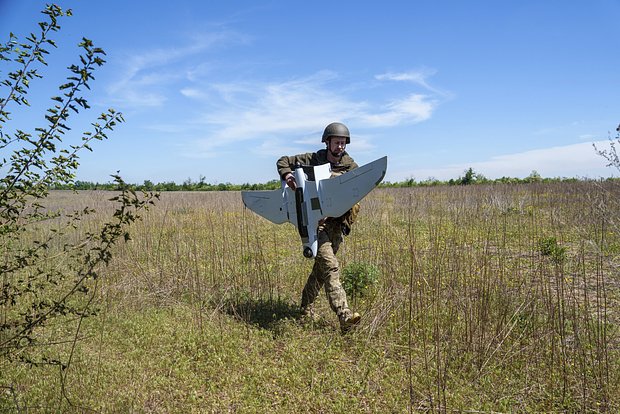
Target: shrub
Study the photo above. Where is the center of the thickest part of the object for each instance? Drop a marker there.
(47, 270)
(358, 278)
(549, 246)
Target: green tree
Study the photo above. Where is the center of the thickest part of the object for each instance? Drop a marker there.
(148, 185)
(52, 274)
(469, 177)
(534, 177)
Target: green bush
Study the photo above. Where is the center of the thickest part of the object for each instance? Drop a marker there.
(358, 278)
(549, 246)
(48, 269)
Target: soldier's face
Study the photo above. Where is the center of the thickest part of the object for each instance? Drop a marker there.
(337, 145)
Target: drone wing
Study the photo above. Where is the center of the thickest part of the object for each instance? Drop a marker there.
(271, 204)
(340, 193)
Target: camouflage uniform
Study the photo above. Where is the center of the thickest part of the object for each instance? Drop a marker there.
(326, 270)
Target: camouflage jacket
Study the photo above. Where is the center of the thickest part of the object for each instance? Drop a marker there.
(286, 164)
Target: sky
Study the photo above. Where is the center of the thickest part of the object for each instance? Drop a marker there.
(219, 90)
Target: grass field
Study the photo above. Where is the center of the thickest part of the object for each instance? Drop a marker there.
(502, 298)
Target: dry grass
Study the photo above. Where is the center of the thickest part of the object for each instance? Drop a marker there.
(199, 310)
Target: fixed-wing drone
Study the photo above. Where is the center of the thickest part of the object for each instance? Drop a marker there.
(317, 196)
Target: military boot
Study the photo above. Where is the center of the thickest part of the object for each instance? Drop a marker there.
(348, 320)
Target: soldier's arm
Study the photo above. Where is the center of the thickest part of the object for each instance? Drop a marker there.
(286, 164)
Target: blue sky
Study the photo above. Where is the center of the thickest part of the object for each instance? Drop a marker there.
(221, 89)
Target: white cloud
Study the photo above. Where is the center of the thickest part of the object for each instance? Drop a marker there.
(292, 109)
(414, 108)
(250, 110)
(300, 108)
(192, 93)
(149, 73)
(276, 108)
(419, 77)
(576, 160)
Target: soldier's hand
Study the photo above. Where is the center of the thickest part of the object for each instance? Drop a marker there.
(290, 181)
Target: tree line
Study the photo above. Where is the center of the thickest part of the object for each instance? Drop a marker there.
(469, 177)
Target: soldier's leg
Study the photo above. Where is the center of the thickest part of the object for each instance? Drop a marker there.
(316, 280)
(326, 257)
(311, 289)
(333, 288)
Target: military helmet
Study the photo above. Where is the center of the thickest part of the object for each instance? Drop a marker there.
(336, 129)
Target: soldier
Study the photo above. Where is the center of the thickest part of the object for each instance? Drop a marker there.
(326, 271)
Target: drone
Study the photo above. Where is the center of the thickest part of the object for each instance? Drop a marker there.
(318, 195)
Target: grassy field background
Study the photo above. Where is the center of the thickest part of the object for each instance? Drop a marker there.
(498, 298)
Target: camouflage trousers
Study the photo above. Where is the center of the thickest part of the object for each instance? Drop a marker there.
(326, 272)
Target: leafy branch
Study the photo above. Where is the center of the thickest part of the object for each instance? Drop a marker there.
(611, 154)
(47, 270)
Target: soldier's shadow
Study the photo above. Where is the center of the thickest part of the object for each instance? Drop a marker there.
(267, 314)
